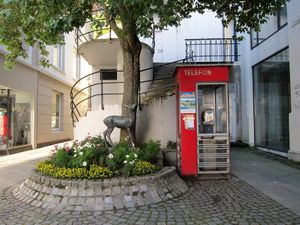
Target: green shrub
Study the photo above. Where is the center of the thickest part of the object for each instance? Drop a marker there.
(143, 167)
(62, 158)
(129, 163)
(119, 152)
(91, 159)
(90, 151)
(149, 151)
(95, 172)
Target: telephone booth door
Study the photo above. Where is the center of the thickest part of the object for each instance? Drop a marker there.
(212, 128)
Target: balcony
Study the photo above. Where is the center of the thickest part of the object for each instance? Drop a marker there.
(211, 50)
(99, 47)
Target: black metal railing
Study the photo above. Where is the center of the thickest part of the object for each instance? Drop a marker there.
(90, 31)
(211, 50)
(77, 89)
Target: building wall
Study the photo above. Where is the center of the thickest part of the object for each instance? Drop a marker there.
(170, 43)
(287, 36)
(29, 77)
(23, 79)
(45, 133)
(249, 58)
(145, 63)
(157, 121)
(294, 51)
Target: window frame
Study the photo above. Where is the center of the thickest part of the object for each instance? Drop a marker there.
(278, 149)
(58, 58)
(279, 27)
(59, 123)
(112, 71)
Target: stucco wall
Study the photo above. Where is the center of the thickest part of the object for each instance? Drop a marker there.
(250, 57)
(145, 63)
(157, 121)
(44, 131)
(294, 51)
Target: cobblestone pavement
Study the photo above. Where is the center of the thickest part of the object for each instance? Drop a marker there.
(207, 202)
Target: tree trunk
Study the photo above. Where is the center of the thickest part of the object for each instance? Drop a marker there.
(131, 49)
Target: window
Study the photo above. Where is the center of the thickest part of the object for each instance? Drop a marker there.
(108, 74)
(273, 24)
(59, 56)
(271, 80)
(56, 110)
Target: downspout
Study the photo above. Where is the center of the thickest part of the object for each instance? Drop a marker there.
(235, 41)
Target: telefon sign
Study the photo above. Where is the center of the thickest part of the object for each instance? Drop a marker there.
(197, 72)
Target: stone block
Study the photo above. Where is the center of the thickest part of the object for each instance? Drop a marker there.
(98, 191)
(118, 203)
(74, 192)
(144, 188)
(116, 191)
(90, 192)
(108, 203)
(134, 190)
(107, 192)
(128, 201)
(81, 192)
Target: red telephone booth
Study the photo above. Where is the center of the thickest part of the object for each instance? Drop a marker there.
(202, 125)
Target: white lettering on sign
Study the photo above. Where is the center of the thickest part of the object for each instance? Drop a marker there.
(199, 72)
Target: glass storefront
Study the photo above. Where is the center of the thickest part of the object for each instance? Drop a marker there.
(15, 118)
(272, 102)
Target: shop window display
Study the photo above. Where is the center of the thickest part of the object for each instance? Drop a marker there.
(15, 119)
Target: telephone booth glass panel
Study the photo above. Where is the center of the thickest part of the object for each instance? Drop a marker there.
(213, 135)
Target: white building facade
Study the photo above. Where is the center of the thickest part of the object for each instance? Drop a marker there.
(264, 86)
(270, 84)
(35, 101)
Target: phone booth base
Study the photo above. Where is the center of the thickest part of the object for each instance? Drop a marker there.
(202, 125)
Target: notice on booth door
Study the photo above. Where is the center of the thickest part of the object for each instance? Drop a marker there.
(189, 121)
(187, 102)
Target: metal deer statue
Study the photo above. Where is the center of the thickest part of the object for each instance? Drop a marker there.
(122, 122)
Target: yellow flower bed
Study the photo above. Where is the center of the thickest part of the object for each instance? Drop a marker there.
(95, 172)
(143, 167)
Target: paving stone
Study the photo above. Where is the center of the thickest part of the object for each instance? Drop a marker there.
(239, 204)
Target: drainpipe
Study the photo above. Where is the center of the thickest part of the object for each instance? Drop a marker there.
(235, 42)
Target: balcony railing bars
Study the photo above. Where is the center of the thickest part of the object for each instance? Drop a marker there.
(89, 32)
(76, 89)
(211, 50)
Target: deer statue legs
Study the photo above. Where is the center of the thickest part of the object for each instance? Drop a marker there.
(106, 135)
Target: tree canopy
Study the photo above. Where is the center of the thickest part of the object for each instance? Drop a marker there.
(43, 22)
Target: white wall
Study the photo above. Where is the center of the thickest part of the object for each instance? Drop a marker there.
(157, 121)
(248, 59)
(170, 44)
(93, 123)
(246, 93)
(145, 62)
(294, 51)
(288, 36)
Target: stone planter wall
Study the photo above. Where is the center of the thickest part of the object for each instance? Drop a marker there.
(96, 195)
